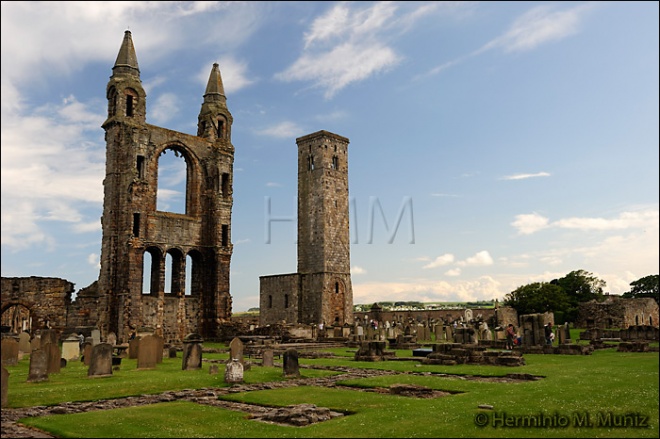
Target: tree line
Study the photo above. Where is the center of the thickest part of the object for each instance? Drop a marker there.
(562, 296)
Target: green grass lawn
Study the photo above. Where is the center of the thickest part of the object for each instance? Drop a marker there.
(593, 395)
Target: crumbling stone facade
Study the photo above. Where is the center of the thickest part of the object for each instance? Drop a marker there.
(133, 228)
(34, 303)
(618, 312)
(321, 290)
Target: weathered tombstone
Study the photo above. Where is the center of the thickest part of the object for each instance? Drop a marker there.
(5, 386)
(62, 362)
(100, 364)
(24, 342)
(147, 352)
(234, 372)
(87, 353)
(35, 343)
(71, 347)
(96, 337)
(54, 355)
(112, 339)
(133, 345)
(171, 352)
(468, 315)
(236, 349)
(38, 366)
(160, 346)
(267, 358)
(360, 332)
(9, 348)
(213, 369)
(290, 363)
(192, 352)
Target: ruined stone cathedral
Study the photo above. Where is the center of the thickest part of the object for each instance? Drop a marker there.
(135, 230)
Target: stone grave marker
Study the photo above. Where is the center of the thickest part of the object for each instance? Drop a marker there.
(236, 349)
(267, 358)
(35, 343)
(100, 363)
(192, 352)
(96, 337)
(147, 352)
(213, 369)
(5, 386)
(87, 353)
(54, 355)
(112, 339)
(9, 348)
(290, 363)
(38, 366)
(133, 348)
(234, 372)
(71, 347)
(171, 352)
(24, 342)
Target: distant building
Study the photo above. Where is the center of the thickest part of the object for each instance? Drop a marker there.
(618, 312)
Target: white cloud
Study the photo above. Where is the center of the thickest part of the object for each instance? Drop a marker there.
(273, 184)
(453, 272)
(525, 176)
(445, 259)
(284, 130)
(357, 270)
(482, 258)
(641, 219)
(234, 74)
(530, 223)
(165, 107)
(93, 260)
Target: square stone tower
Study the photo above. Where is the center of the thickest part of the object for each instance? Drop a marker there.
(196, 242)
(321, 290)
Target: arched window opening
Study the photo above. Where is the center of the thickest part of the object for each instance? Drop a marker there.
(151, 271)
(189, 275)
(112, 102)
(172, 182)
(194, 276)
(221, 129)
(335, 162)
(168, 273)
(174, 272)
(129, 106)
(310, 163)
(336, 287)
(286, 300)
(270, 301)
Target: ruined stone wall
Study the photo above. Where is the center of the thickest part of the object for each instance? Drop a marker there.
(505, 315)
(47, 299)
(279, 298)
(618, 312)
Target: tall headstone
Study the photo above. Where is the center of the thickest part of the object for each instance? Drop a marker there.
(24, 342)
(192, 352)
(234, 372)
(87, 353)
(236, 349)
(148, 352)
(112, 338)
(96, 337)
(290, 363)
(100, 363)
(38, 366)
(54, 356)
(267, 358)
(133, 348)
(9, 354)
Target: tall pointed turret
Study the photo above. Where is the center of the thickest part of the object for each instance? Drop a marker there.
(127, 100)
(214, 121)
(126, 59)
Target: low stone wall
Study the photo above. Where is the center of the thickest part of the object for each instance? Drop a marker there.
(450, 354)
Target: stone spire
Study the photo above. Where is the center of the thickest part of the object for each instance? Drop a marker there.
(127, 59)
(215, 91)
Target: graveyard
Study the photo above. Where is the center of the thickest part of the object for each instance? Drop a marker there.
(257, 387)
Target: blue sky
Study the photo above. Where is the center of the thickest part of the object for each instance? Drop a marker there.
(514, 142)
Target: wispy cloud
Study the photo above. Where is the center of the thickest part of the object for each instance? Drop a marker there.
(273, 184)
(525, 176)
(440, 261)
(481, 258)
(527, 224)
(357, 270)
(235, 75)
(283, 130)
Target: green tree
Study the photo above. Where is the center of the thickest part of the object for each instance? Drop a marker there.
(580, 286)
(537, 297)
(647, 286)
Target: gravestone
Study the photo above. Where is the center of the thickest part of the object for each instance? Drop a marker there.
(147, 352)
(468, 315)
(290, 366)
(234, 372)
(133, 345)
(35, 343)
(54, 355)
(267, 358)
(213, 369)
(87, 353)
(71, 347)
(96, 337)
(5, 386)
(192, 352)
(24, 342)
(38, 366)
(100, 364)
(171, 352)
(160, 346)
(9, 348)
(236, 349)
(112, 339)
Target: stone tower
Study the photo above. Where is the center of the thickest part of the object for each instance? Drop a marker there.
(197, 242)
(321, 290)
